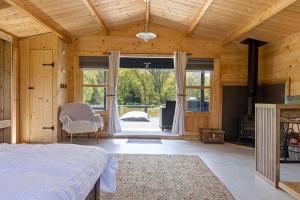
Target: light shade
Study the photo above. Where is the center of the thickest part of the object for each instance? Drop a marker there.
(146, 36)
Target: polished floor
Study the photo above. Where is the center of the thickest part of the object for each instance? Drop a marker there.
(232, 164)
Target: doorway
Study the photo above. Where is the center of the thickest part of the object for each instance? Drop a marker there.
(146, 90)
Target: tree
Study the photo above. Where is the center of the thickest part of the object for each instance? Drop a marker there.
(150, 86)
(159, 78)
(94, 95)
(128, 89)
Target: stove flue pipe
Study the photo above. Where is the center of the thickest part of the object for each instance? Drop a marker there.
(253, 50)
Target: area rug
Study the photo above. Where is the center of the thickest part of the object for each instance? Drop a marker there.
(166, 177)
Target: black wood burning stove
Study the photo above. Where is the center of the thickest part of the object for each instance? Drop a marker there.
(247, 127)
(247, 121)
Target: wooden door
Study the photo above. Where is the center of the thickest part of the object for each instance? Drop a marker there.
(41, 96)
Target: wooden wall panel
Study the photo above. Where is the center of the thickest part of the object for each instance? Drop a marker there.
(215, 119)
(281, 60)
(234, 65)
(1, 88)
(23, 87)
(62, 79)
(15, 92)
(71, 73)
(7, 64)
(168, 41)
(194, 121)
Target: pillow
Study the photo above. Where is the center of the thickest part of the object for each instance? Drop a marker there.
(135, 116)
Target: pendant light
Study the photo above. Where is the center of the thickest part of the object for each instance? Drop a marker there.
(146, 35)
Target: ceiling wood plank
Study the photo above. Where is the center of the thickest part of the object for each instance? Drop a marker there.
(40, 17)
(272, 11)
(198, 18)
(96, 15)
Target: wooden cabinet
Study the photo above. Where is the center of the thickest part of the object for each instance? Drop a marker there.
(43, 68)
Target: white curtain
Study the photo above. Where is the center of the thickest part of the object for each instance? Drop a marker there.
(114, 125)
(180, 62)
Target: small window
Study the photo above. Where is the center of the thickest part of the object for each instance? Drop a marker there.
(198, 90)
(95, 88)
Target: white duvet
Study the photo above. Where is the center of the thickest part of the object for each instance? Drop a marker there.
(54, 171)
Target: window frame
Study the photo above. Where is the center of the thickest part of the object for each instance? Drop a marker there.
(199, 87)
(104, 86)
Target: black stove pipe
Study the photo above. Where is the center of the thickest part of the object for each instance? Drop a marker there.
(252, 74)
(253, 48)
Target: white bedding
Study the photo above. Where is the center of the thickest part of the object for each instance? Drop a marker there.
(54, 171)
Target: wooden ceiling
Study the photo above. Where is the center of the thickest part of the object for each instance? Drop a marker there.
(225, 20)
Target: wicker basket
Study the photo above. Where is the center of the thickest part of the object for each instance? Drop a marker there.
(212, 135)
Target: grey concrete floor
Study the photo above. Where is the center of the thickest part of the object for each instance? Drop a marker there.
(232, 164)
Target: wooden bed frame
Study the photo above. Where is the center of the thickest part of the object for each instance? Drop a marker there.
(95, 192)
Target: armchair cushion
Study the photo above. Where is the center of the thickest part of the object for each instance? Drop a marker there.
(82, 127)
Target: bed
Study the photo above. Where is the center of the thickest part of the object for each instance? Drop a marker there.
(55, 171)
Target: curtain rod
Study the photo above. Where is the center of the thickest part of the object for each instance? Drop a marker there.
(146, 54)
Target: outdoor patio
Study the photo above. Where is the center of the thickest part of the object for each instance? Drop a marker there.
(143, 128)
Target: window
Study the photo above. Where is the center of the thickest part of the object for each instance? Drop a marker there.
(197, 90)
(95, 87)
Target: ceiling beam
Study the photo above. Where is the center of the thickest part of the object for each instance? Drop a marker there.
(198, 18)
(96, 15)
(40, 17)
(270, 12)
(5, 35)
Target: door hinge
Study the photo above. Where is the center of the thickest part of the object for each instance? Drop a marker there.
(51, 127)
(49, 64)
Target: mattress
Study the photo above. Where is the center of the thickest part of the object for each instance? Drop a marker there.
(54, 171)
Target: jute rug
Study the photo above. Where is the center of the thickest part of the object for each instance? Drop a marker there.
(164, 177)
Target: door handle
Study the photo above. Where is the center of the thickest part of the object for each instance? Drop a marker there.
(30, 88)
(49, 64)
(51, 127)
